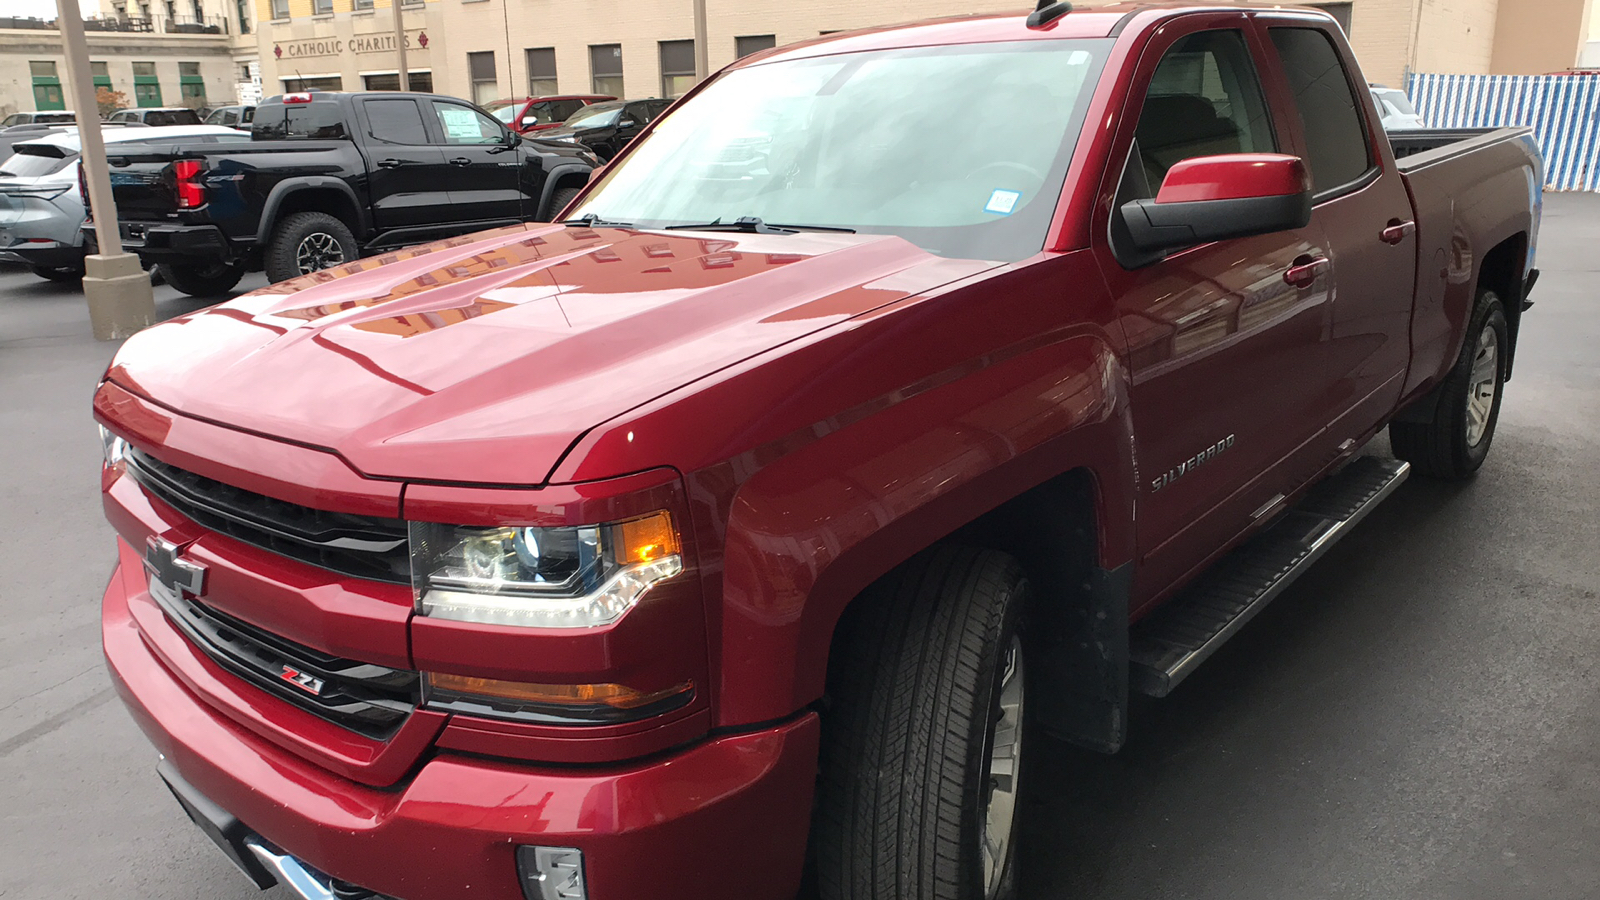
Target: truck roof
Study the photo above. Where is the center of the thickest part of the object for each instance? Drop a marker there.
(1093, 22)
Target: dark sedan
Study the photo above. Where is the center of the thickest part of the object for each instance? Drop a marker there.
(606, 128)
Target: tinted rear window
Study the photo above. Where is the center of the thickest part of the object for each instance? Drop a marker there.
(30, 163)
(172, 117)
(306, 121)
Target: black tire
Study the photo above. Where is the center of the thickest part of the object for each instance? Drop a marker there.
(560, 200)
(63, 274)
(307, 233)
(915, 690)
(1444, 447)
(202, 281)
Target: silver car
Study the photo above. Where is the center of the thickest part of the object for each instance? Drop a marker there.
(41, 210)
(1395, 112)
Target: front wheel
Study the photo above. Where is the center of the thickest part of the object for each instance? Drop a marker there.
(308, 242)
(921, 747)
(1455, 442)
(202, 281)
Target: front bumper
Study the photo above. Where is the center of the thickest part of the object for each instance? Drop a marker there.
(738, 805)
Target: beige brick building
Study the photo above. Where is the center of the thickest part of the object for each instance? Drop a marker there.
(483, 49)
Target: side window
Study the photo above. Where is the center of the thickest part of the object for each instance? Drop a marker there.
(465, 125)
(396, 122)
(1204, 99)
(230, 117)
(542, 113)
(561, 109)
(1337, 151)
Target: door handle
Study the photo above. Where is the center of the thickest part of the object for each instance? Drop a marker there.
(1304, 274)
(1396, 231)
(461, 161)
(390, 163)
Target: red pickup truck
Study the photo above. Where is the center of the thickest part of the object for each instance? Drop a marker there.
(731, 533)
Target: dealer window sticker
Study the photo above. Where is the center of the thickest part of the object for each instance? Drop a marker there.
(460, 124)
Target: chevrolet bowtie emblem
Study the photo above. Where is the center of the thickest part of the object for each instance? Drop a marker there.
(179, 576)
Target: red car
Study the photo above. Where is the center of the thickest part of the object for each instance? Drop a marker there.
(743, 522)
(532, 114)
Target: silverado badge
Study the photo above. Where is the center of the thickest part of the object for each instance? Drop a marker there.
(1188, 465)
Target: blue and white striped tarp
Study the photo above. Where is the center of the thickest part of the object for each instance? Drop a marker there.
(1563, 110)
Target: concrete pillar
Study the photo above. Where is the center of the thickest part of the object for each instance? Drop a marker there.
(115, 286)
(118, 291)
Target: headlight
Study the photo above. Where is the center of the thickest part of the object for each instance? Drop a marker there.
(113, 449)
(541, 577)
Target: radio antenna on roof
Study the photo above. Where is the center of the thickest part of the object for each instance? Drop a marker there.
(1047, 12)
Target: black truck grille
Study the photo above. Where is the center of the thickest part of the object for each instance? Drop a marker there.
(369, 699)
(361, 546)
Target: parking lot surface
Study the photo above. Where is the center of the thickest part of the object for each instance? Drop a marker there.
(1415, 718)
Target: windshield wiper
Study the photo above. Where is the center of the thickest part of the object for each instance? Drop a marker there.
(590, 220)
(754, 225)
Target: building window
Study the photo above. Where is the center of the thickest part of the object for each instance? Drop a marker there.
(363, 4)
(323, 83)
(390, 81)
(541, 71)
(677, 68)
(280, 9)
(191, 87)
(242, 9)
(146, 87)
(605, 65)
(46, 86)
(755, 43)
(480, 69)
(322, 7)
(101, 73)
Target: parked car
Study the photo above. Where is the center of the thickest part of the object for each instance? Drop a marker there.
(41, 208)
(329, 177)
(39, 118)
(761, 518)
(238, 117)
(1395, 112)
(607, 127)
(163, 115)
(532, 114)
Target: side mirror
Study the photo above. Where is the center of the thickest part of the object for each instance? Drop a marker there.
(529, 121)
(1215, 198)
(628, 122)
(513, 139)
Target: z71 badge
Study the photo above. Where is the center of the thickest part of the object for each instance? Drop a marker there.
(1191, 463)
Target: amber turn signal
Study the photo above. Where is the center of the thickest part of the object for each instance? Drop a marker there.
(646, 539)
(571, 698)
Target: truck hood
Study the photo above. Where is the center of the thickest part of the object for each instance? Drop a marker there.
(482, 359)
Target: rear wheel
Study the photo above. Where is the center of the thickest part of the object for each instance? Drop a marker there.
(921, 750)
(202, 281)
(308, 242)
(1455, 442)
(65, 274)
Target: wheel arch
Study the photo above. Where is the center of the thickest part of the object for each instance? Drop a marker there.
(324, 195)
(1503, 270)
(573, 176)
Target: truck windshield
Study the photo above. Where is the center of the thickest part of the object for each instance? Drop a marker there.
(961, 150)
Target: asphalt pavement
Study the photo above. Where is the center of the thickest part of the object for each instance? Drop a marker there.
(1416, 718)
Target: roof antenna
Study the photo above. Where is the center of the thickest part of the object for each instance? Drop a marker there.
(1047, 12)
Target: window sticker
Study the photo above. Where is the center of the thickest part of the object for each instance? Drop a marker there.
(1003, 202)
(460, 124)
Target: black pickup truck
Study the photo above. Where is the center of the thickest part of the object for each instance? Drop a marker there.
(328, 177)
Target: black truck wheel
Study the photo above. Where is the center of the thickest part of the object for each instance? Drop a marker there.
(1454, 443)
(922, 741)
(559, 200)
(202, 281)
(308, 242)
(64, 274)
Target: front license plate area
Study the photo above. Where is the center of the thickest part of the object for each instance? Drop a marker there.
(225, 830)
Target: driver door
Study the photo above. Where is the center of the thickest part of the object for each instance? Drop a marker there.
(1227, 357)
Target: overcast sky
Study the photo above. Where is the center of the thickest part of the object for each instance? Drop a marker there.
(43, 9)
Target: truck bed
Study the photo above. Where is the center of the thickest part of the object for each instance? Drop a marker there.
(1420, 147)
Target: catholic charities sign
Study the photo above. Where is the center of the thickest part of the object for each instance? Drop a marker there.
(361, 43)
